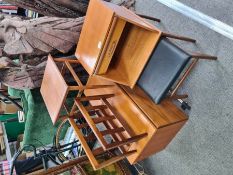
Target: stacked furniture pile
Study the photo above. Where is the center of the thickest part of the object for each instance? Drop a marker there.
(134, 73)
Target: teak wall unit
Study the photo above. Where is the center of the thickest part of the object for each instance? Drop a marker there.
(115, 43)
(160, 122)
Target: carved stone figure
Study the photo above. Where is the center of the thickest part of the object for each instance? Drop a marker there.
(31, 40)
(23, 75)
(39, 36)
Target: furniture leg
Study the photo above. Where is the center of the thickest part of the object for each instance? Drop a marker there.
(169, 35)
(175, 96)
(73, 73)
(203, 56)
(81, 88)
(187, 72)
(149, 17)
(66, 59)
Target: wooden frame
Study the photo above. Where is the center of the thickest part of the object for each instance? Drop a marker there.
(54, 88)
(141, 115)
(196, 56)
(109, 118)
(103, 56)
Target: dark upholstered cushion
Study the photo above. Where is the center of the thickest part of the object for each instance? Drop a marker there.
(162, 70)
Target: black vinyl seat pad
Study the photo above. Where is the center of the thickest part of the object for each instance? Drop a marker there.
(162, 70)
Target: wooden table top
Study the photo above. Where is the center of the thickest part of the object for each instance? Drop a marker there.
(53, 89)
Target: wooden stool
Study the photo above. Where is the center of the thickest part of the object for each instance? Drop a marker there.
(103, 113)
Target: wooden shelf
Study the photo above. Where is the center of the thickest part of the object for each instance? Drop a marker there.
(119, 47)
(131, 55)
(92, 154)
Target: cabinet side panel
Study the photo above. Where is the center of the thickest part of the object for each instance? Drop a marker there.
(161, 138)
(93, 35)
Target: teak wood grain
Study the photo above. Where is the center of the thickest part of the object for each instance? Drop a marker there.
(110, 46)
(132, 54)
(91, 154)
(116, 130)
(94, 33)
(99, 135)
(162, 114)
(138, 117)
(91, 124)
(53, 89)
(118, 46)
(129, 16)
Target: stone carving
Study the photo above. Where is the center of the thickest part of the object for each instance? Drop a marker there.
(31, 41)
(39, 36)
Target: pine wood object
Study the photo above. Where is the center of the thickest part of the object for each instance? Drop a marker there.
(160, 122)
(120, 44)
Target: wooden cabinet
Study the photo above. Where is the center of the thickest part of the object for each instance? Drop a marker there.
(160, 122)
(166, 118)
(115, 43)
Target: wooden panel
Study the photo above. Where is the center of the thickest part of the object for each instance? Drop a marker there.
(128, 110)
(99, 134)
(162, 123)
(131, 55)
(53, 89)
(91, 124)
(119, 102)
(130, 16)
(94, 32)
(163, 114)
(159, 141)
(85, 146)
(110, 46)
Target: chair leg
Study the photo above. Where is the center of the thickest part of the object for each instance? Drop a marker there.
(76, 78)
(175, 97)
(169, 35)
(187, 72)
(203, 56)
(149, 17)
(63, 69)
(75, 61)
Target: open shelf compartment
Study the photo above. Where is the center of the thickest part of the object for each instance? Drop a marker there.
(126, 54)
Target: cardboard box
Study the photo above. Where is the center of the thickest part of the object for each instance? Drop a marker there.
(8, 108)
